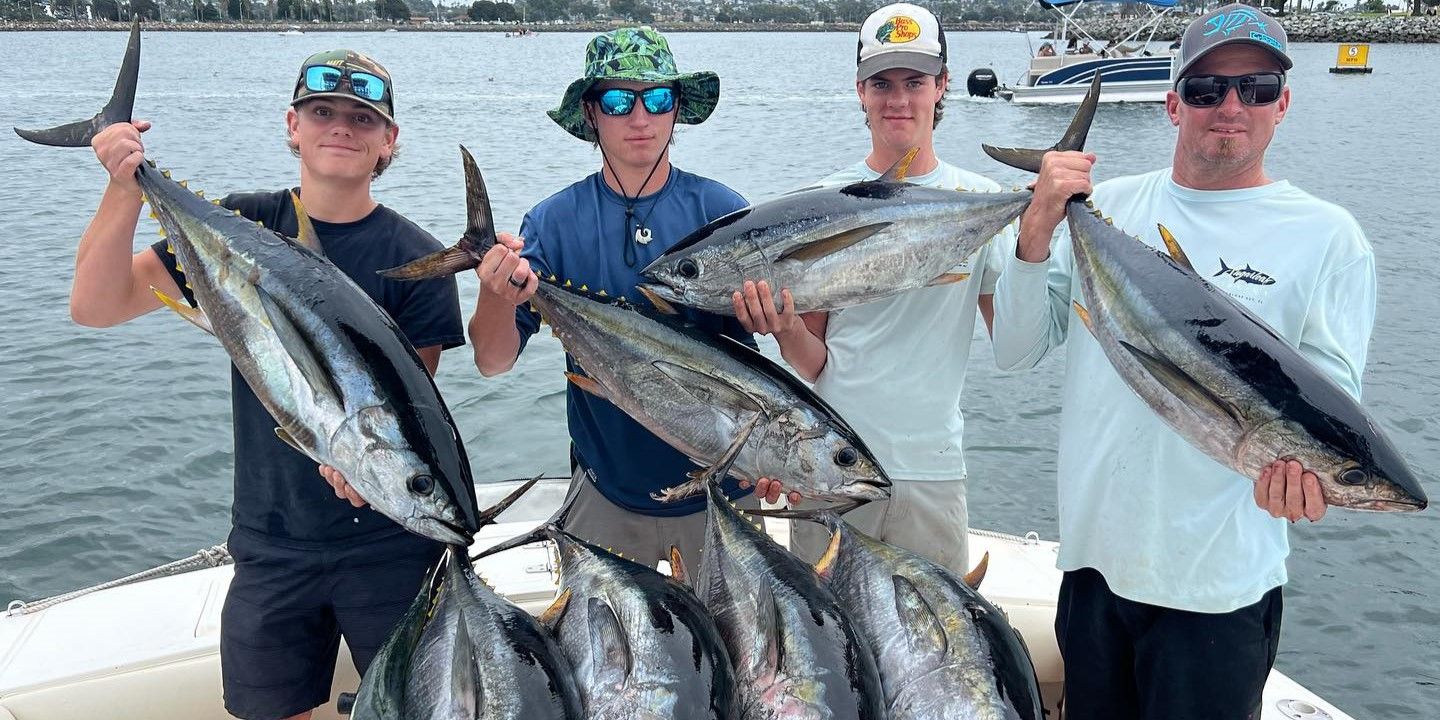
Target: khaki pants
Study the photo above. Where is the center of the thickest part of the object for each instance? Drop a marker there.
(924, 517)
(646, 539)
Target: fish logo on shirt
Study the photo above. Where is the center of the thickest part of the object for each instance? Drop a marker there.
(1246, 274)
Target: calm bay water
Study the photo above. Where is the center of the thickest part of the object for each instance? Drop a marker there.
(115, 444)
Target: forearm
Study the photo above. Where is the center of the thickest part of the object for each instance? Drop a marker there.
(803, 351)
(493, 335)
(104, 292)
(1025, 328)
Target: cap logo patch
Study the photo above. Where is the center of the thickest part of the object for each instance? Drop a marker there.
(1262, 37)
(899, 29)
(1226, 23)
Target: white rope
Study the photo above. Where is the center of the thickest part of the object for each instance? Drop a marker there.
(214, 556)
(1031, 538)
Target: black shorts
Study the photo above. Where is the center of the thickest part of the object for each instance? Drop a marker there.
(1127, 660)
(289, 605)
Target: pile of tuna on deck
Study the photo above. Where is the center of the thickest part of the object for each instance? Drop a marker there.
(872, 631)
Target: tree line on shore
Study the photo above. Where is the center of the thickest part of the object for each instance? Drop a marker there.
(540, 11)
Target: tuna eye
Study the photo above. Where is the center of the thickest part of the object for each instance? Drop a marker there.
(422, 484)
(688, 269)
(1353, 476)
(846, 456)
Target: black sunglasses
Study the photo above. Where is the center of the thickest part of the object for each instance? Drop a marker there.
(1260, 88)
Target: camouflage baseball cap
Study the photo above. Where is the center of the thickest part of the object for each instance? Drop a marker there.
(1234, 23)
(642, 55)
(347, 61)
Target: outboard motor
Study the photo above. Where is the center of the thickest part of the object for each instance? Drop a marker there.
(981, 83)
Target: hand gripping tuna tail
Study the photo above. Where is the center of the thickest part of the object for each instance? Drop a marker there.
(1074, 138)
(545, 531)
(478, 238)
(122, 102)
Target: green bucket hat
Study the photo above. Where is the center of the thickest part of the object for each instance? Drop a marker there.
(642, 55)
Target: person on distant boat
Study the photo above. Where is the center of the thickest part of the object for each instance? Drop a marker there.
(895, 368)
(1046, 50)
(1171, 601)
(601, 232)
(309, 569)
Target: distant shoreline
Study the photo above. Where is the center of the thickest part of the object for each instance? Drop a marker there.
(1316, 27)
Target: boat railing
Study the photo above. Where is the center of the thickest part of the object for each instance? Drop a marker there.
(210, 557)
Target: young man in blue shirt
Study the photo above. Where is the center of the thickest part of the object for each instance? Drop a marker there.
(601, 231)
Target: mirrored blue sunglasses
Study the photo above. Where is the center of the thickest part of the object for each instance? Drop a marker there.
(323, 78)
(621, 101)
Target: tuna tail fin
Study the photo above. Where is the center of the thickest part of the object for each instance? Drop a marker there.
(708, 479)
(1074, 138)
(544, 532)
(118, 110)
(479, 234)
(1223, 268)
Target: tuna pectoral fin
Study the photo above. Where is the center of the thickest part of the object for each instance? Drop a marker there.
(306, 236)
(298, 348)
(768, 632)
(921, 625)
(977, 576)
(677, 566)
(290, 440)
(1074, 138)
(901, 168)
(588, 384)
(464, 680)
(1190, 392)
(708, 389)
(551, 616)
(610, 657)
(118, 110)
(702, 480)
(191, 314)
(829, 245)
(949, 278)
(1173, 245)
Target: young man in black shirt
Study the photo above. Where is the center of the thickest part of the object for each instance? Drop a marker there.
(309, 568)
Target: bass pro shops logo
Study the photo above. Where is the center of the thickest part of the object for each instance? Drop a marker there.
(899, 29)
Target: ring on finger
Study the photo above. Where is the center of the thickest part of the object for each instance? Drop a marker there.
(513, 281)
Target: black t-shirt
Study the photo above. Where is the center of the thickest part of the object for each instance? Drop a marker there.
(278, 491)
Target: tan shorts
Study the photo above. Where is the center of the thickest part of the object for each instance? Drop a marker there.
(927, 517)
(646, 539)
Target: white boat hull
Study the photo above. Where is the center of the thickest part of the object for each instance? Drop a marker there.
(152, 649)
(1147, 91)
